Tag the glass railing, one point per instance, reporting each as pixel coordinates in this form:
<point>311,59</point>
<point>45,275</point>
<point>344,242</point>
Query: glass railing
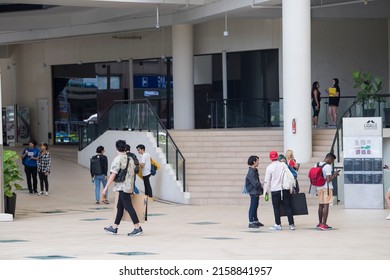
<point>136,115</point>
<point>269,113</point>
<point>233,113</point>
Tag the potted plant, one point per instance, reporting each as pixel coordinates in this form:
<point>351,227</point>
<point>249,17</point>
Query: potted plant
<point>11,176</point>
<point>369,85</point>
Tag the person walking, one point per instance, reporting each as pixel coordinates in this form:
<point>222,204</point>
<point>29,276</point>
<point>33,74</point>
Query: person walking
<point>334,100</point>
<point>254,189</point>
<point>29,159</point>
<point>124,188</point>
<point>145,164</point>
<point>43,165</point>
<point>315,102</point>
<point>325,192</point>
<point>98,169</point>
<point>273,183</point>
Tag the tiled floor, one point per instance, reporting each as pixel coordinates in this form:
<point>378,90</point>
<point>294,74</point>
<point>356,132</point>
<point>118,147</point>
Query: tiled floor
<point>68,224</point>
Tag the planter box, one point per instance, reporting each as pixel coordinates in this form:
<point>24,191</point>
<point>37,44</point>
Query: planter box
<point>10,204</point>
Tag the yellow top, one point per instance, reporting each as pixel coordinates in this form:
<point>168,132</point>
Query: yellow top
<point>332,91</point>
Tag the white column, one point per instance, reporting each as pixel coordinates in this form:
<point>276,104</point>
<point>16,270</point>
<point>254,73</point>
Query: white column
<point>297,77</point>
<point>183,77</point>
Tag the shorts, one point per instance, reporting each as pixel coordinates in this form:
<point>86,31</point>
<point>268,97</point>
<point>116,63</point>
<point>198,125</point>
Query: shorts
<point>324,197</point>
<point>334,101</point>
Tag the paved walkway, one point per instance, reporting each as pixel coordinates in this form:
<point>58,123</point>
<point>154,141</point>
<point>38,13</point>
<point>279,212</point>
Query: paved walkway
<point>68,224</point>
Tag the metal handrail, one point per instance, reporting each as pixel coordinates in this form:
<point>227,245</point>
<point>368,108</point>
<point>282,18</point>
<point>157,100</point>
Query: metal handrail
<point>336,137</point>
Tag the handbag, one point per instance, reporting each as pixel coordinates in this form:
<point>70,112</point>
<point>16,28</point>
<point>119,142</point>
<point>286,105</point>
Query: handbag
<point>121,176</point>
<point>298,205</point>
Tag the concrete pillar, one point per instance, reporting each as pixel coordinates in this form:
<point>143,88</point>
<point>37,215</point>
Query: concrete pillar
<point>297,77</point>
<point>183,76</point>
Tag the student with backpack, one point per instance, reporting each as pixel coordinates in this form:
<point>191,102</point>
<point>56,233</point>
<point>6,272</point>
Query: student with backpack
<point>98,169</point>
<point>324,191</point>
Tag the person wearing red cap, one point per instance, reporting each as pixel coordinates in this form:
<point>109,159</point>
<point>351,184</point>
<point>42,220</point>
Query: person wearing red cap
<point>273,184</point>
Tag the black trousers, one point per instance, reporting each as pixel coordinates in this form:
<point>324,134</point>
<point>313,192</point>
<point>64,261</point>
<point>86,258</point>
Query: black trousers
<point>124,202</point>
<point>286,202</point>
<point>148,187</point>
<point>43,181</point>
<point>31,174</point>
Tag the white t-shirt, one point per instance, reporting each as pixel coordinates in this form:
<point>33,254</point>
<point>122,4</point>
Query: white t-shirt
<point>326,170</point>
<point>146,160</point>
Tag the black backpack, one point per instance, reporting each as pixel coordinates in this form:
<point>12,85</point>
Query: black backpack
<point>136,162</point>
<point>96,166</point>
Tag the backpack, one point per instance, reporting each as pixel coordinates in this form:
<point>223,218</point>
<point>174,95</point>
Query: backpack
<point>95,166</point>
<point>121,176</point>
<point>316,176</point>
<point>288,180</point>
<point>136,162</point>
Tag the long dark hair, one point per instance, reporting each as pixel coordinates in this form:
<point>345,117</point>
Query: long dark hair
<point>336,81</point>
<point>314,86</point>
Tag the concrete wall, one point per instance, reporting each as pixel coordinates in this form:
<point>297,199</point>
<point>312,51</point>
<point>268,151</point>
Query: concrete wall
<point>338,48</point>
<point>164,183</point>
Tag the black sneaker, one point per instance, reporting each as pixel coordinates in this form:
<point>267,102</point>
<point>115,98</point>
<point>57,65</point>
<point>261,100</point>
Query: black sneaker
<point>259,224</point>
<point>111,230</point>
<point>135,232</point>
<point>253,225</point>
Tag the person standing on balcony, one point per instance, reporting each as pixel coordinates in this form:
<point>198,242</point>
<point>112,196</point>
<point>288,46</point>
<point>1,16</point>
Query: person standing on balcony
<point>29,160</point>
<point>334,100</point>
<point>315,102</point>
<point>146,165</point>
<point>254,189</point>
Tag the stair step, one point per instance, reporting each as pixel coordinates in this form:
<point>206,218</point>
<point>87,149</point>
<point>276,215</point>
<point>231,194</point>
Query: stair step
<point>216,160</point>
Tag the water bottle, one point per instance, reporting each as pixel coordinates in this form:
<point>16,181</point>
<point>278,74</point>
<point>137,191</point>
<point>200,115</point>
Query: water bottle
<point>266,197</point>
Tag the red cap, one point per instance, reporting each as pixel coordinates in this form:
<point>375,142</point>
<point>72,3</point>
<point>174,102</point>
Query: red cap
<point>273,155</point>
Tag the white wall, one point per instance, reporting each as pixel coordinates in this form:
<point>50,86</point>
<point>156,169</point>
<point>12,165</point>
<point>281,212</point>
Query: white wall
<point>340,47</point>
<point>164,183</point>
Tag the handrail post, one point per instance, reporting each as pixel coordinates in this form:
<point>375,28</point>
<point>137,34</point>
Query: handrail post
<point>166,147</point>
<point>177,165</point>
<point>184,175</point>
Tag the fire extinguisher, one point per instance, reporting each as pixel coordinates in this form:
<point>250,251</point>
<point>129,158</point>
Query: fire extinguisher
<point>294,126</point>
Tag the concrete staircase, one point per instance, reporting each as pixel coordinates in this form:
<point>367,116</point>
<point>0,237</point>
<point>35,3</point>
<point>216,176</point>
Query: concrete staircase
<point>216,160</point>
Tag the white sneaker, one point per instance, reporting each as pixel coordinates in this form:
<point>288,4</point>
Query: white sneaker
<point>40,193</point>
<point>46,193</point>
<point>292,227</point>
<point>276,227</point>
<point>388,217</point>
